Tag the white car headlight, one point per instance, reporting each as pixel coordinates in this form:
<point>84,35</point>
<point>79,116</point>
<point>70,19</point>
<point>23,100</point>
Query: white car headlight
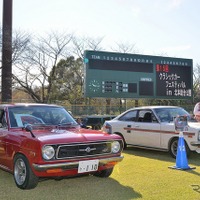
<point>107,128</point>
<point>48,152</point>
<point>116,147</point>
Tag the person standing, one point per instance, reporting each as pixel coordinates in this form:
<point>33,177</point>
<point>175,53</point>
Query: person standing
<point>80,122</point>
<point>197,111</point>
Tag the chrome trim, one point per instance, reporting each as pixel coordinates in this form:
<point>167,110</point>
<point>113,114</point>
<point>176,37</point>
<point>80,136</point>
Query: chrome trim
<point>67,165</point>
<point>82,144</point>
<point>5,168</point>
<point>195,143</point>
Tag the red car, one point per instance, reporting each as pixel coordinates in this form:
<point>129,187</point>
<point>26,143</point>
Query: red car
<point>40,140</point>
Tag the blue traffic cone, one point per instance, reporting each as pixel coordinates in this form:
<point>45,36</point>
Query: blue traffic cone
<point>181,157</point>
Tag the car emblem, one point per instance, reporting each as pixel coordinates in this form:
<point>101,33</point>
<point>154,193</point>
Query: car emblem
<point>88,149</point>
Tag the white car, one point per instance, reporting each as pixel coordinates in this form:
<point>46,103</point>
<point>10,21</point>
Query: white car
<point>153,127</point>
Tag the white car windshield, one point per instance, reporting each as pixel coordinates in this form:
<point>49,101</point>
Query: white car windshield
<point>39,115</point>
<point>168,114</point>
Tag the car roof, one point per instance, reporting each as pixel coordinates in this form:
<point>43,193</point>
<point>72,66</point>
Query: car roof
<point>149,107</point>
<point>153,107</point>
<point>146,107</point>
<point>27,104</point>
<point>97,116</point>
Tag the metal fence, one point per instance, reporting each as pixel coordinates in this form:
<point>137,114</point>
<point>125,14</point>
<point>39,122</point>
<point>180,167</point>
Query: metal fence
<point>115,107</point>
<point>80,110</point>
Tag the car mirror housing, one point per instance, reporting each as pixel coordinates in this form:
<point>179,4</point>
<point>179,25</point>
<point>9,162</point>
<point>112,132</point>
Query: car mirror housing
<point>29,128</point>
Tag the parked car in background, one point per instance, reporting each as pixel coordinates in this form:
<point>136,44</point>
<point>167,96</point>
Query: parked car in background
<point>96,121</point>
<point>153,127</point>
<point>40,140</point>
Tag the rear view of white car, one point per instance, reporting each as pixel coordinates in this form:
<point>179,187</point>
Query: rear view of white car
<point>152,127</point>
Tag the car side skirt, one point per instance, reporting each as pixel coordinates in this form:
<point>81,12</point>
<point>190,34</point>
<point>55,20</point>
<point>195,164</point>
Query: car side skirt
<point>146,147</point>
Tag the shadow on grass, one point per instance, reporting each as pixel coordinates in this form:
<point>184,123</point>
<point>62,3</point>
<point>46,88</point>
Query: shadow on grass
<point>193,172</point>
<point>84,187</point>
<point>160,155</point>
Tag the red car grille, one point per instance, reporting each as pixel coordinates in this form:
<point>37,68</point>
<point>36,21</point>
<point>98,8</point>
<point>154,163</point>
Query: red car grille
<point>83,150</point>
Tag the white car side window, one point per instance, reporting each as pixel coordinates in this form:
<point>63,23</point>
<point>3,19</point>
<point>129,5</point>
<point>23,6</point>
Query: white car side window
<point>130,116</point>
<point>146,116</point>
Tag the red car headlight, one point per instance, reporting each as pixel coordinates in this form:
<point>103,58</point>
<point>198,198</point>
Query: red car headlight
<point>115,147</point>
<point>48,152</point>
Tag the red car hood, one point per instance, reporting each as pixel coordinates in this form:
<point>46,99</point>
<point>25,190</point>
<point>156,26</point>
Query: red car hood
<point>72,135</point>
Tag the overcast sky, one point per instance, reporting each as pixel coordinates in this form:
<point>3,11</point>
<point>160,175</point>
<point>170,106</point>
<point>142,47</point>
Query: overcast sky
<point>156,27</point>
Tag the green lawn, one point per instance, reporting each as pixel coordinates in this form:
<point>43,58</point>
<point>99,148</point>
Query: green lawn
<point>143,174</point>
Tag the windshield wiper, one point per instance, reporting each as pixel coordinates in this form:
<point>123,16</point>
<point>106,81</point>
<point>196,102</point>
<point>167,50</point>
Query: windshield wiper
<point>66,124</point>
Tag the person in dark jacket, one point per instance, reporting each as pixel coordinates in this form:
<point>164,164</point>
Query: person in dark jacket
<point>80,122</point>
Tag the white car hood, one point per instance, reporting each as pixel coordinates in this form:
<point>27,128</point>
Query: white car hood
<point>195,125</point>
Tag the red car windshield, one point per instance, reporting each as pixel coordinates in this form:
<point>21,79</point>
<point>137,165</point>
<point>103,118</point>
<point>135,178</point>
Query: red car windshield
<point>39,115</point>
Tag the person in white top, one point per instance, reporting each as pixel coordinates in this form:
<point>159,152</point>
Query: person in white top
<point>197,111</point>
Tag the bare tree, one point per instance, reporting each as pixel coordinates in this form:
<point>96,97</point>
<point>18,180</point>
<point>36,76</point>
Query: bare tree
<point>86,43</point>
<point>33,75</point>
<point>20,42</point>
<point>196,83</point>
<point>125,47</point>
